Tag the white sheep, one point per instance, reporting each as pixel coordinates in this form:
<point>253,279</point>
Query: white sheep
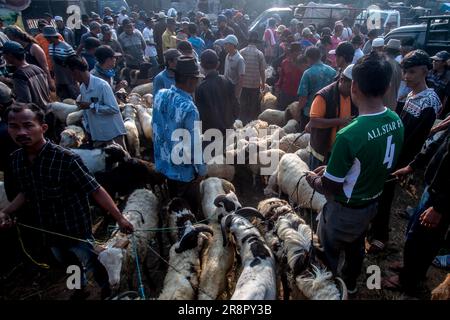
<point>292,142</point>
<point>268,100</point>
<point>93,159</point>
<point>61,110</point>
<point>182,279</point>
<point>218,199</point>
<point>303,154</point>
<point>141,210</point>
<point>3,199</point>
<point>145,120</point>
<point>72,137</point>
<point>143,89</point>
<point>290,179</point>
<point>257,280</point>
<point>75,118</point>
<point>133,143</point>
<point>273,116</point>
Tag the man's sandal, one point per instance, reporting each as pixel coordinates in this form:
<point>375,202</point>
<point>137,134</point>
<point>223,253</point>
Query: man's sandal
<point>442,262</point>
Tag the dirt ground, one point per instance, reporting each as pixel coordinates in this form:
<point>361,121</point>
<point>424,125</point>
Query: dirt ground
<point>25,281</point>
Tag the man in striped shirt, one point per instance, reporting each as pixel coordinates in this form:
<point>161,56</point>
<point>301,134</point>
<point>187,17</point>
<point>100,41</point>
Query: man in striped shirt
<point>59,51</point>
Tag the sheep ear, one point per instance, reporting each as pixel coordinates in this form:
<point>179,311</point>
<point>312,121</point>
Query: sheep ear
<point>225,228</point>
<point>249,212</point>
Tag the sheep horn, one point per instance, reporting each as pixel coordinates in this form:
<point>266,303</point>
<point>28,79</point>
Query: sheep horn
<point>204,228</point>
<point>219,201</point>
<point>225,227</point>
<point>249,212</point>
<point>343,288</point>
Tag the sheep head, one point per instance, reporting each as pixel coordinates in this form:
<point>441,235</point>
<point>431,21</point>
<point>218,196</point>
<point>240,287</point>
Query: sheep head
<point>227,221</point>
<point>121,95</point>
<point>190,239</point>
<point>111,259</point>
<point>69,139</point>
<point>226,204</point>
<point>115,153</point>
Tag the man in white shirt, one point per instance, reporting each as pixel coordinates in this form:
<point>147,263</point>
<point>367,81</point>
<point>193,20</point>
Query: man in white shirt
<point>347,32</point>
<point>123,15</point>
<point>357,43</point>
<point>234,64</point>
<point>150,46</point>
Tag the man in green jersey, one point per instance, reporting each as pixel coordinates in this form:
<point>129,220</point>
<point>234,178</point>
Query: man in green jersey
<point>362,157</point>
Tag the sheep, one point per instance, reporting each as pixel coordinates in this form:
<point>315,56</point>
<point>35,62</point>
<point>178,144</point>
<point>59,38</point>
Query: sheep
<point>3,198</point>
<point>292,112</point>
<point>182,279</point>
<point>141,210</point>
<point>133,143</point>
<point>257,280</point>
<point>72,137</point>
<point>217,167</point>
<point>292,142</point>
<point>273,116</point>
<point>69,101</point>
<point>145,120</point>
<point>268,100</point>
<point>291,126</point>
<point>177,213</point>
<point>148,100</point>
<point>143,89</point>
<point>100,160</point>
<point>61,110</point>
<point>134,98</point>
<point>75,118</point>
<point>303,154</point>
<point>289,178</point>
<point>442,291</point>
<point>264,163</point>
<point>218,199</point>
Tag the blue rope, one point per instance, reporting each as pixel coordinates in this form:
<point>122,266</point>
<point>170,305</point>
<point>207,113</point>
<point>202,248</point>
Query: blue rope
<point>139,276</point>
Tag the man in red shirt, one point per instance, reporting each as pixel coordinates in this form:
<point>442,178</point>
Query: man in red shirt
<point>292,69</point>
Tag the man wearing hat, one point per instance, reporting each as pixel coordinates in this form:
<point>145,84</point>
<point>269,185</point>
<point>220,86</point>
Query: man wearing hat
<point>107,11</point>
<point>391,51</point>
<point>223,28</point>
<point>108,38</point>
<point>105,66</point>
<point>95,29</point>
<point>43,42</point>
<point>439,79</point>
<point>66,32</point>
<point>378,45</point>
<point>59,51</point>
<point>214,97</point>
<point>371,35</point>
<point>331,110</point>
<point>174,110</point>
<point>150,49</point>
<point>122,15</point>
<point>158,31</point>
<point>169,40</point>
<point>133,45</point>
<point>108,20</point>
<point>253,80</point>
<point>234,64</point>
<point>166,78</point>
<point>30,81</point>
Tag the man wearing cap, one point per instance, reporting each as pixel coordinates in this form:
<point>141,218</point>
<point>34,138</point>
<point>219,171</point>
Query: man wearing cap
<point>363,155</point>
<point>66,32</point>
<point>378,45</point>
<point>253,80</point>
<point>107,11</point>
<point>331,110</point>
<point>439,79</point>
<point>344,56</point>
<point>101,117</point>
<point>30,81</point>
<point>59,51</point>
<point>223,28</point>
<point>214,97</point>
<point>234,64</point>
<point>150,49</point>
<point>105,66</point>
<point>81,28</point>
<point>169,40</point>
<point>43,42</point>
<point>108,39</point>
<point>133,45</point>
<point>368,45</point>
<point>166,78</point>
<point>391,51</point>
<point>418,115</point>
<point>174,110</point>
<point>94,31</point>
<point>316,77</point>
<point>109,21</point>
<point>122,15</point>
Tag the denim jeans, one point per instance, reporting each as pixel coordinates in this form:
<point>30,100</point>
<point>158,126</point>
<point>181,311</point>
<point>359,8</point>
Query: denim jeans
<point>421,246</point>
<point>83,255</point>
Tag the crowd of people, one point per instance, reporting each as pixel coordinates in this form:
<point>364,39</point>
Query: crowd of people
<point>369,106</point>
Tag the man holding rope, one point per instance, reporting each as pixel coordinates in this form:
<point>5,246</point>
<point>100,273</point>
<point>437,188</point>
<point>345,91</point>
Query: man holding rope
<point>362,156</point>
<point>58,185</point>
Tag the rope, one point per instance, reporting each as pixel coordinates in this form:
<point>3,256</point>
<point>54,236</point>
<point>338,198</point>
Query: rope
<point>57,234</point>
<point>138,269</point>
<point>295,140</point>
<point>166,229</point>
<point>42,265</point>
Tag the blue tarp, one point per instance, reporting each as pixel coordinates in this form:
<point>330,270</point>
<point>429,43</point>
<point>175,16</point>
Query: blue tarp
<point>445,7</point>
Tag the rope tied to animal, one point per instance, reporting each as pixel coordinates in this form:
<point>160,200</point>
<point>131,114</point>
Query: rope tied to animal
<point>138,268</point>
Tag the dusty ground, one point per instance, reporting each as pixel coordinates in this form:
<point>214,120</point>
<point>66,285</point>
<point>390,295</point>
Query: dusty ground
<point>23,281</point>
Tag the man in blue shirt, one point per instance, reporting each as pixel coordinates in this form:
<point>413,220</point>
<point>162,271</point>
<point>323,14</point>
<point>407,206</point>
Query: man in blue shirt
<point>166,78</point>
<point>197,43</point>
<point>318,76</point>
<point>177,134</point>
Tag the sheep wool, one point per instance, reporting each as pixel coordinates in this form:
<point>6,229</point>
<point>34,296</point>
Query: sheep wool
<point>143,89</point>
<point>133,143</point>
<point>72,137</point>
<point>272,116</point>
<point>145,119</point>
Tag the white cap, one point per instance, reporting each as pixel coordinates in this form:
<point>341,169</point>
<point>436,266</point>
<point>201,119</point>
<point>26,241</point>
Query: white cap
<point>332,52</point>
<point>58,18</point>
<point>231,39</point>
<point>378,42</point>
<point>348,72</point>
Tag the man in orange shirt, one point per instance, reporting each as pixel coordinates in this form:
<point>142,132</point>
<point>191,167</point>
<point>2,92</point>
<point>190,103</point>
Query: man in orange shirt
<point>44,43</point>
<point>331,110</point>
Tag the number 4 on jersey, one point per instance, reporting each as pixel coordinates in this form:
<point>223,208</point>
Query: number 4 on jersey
<point>390,152</point>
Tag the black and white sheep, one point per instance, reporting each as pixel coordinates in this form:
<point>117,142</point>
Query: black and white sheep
<point>72,137</point>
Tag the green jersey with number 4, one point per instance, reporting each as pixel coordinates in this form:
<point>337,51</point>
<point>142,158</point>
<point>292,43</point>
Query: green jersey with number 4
<point>363,155</point>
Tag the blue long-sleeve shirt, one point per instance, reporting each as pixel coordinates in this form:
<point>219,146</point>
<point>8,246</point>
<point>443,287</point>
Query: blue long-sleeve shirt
<point>102,120</point>
<point>162,81</point>
<point>178,153</point>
